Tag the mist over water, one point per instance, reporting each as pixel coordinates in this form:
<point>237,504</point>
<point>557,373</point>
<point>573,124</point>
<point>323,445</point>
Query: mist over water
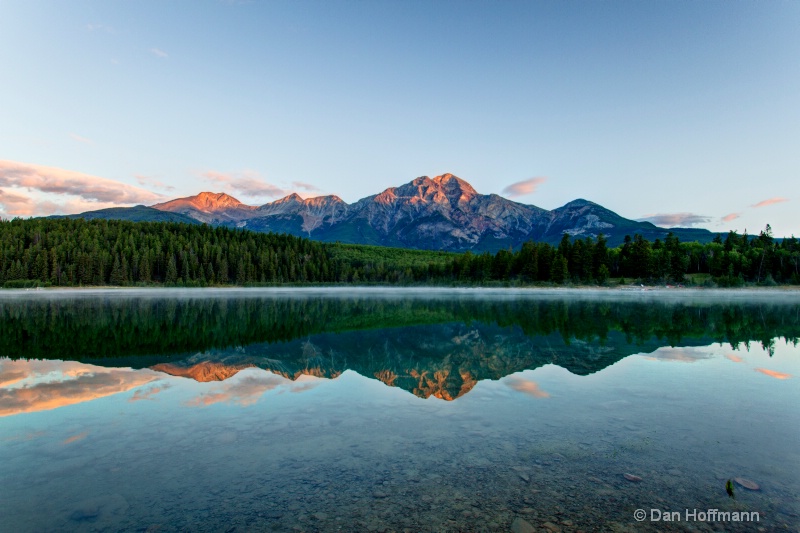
<point>375,410</point>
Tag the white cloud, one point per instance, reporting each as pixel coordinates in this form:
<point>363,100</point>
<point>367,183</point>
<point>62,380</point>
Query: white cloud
<point>147,181</point>
<point>80,139</point>
<point>672,220</point>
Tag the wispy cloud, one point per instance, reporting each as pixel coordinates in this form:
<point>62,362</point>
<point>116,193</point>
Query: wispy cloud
<point>682,355</point>
<point>159,53</point>
<point>84,140</point>
<point>147,181</point>
<point>305,186</point>
<point>773,373</point>
<point>522,188</point>
<point>100,27</point>
<point>731,217</point>
<point>247,183</point>
<point>149,392</point>
<point>85,190</point>
<point>79,436</point>
<point>526,386</point>
<point>248,386</point>
<point>675,219</point>
<point>770,201</point>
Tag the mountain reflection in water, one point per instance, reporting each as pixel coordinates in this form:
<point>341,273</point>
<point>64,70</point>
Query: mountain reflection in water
<point>270,410</point>
<point>429,346</point>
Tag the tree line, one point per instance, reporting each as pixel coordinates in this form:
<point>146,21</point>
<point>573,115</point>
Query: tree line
<point>77,252</point>
<point>95,327</point>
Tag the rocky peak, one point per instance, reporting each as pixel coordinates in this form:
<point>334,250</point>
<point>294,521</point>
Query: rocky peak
<point>218,199</point>
<point>446,190</point>
<point>204,371</point>
<point>580,202</point>
<point>457,190</point>
<point>207,202</point>
<point>292,198</point>
<point>323,201</point>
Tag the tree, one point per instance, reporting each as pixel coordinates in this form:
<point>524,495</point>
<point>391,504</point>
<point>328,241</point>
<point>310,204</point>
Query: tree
<point>172,270</point>
<point>559,273</point>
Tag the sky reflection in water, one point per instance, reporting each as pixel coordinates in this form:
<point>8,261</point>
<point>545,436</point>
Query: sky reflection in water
<point>274,446</point>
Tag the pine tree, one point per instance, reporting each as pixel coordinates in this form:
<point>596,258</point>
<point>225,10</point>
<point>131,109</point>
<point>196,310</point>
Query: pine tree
<point>172,270</point>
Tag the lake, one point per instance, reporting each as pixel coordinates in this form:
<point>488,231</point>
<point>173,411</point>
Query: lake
<point>399,410</point>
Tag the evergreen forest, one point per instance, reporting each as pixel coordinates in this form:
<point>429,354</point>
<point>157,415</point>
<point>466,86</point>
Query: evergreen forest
<point>78,252</point>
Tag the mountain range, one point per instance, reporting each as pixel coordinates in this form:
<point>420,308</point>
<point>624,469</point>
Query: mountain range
<point>440,213</point>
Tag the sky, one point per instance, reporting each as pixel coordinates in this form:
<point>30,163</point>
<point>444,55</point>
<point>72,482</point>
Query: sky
<point>681,113</point>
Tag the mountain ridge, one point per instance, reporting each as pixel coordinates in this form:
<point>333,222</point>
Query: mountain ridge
<point>440,213</point>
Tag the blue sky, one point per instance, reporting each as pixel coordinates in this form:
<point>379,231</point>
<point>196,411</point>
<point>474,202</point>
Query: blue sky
<point>687,110</point>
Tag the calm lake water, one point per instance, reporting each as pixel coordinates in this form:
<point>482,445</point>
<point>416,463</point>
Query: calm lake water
<point>399,410</point>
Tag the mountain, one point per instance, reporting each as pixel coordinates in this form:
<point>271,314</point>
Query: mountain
<point>209,208</point>
<point>137,213</point>
<point>440,213</point>
<point>442,360</point>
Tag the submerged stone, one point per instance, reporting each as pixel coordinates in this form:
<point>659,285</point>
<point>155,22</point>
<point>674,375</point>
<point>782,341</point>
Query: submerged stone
<point>746,483</point>
<point>520,525</point>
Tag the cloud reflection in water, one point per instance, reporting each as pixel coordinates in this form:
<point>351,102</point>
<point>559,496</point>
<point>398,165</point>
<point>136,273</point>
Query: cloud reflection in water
<point>249,385</point>
<point>30,386</point>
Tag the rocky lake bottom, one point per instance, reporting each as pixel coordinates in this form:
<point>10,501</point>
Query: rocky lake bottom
<point>87,447</point>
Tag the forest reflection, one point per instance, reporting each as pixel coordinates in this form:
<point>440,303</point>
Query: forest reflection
<point>429,346</point>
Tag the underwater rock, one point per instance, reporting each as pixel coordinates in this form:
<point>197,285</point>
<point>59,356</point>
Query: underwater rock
<point>85,512</point>
<point>746,483</point>
<point>520,525</point>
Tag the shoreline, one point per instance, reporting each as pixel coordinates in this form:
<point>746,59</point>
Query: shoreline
<point>653,291</point>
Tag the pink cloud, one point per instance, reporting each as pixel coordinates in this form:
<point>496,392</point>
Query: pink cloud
<point>770,201</point>
<point>67,182</point>
<point>682,355</point>
<point>248,386</point>
<point>46,385</point>
<point>731,217</point>
<point>531,388</point>
<point>245,391</point>
<point>247,183</point>
<point>773,373</point>
<point>15,204</point>
<point>672,220</point>
<point>522,188</point>
<point>79,436</point>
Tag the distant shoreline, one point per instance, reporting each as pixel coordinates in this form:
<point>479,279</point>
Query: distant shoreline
<point>654,291</point>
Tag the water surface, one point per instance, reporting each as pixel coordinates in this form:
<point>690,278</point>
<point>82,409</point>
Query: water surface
<point>369,410</point>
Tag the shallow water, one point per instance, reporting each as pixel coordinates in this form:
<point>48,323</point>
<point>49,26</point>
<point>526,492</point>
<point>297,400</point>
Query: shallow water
<point>443,411</point>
